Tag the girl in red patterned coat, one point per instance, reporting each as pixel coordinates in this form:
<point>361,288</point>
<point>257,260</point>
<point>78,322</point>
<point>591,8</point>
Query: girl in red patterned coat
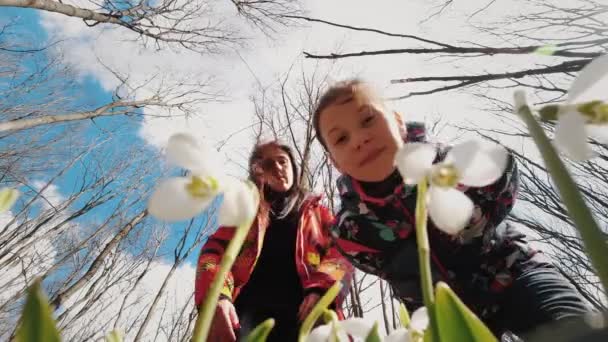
<point>287,261</point>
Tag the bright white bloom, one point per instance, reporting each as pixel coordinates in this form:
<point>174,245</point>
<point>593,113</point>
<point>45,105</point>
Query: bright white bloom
<point>415,330</point>
<point>573,127</point>
<point>323,333</point>
<point>181,198</point>
<point>470,164</point>
<point>359,329</point>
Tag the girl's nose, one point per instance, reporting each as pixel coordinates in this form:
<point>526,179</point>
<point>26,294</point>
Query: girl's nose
<point>361,140</point>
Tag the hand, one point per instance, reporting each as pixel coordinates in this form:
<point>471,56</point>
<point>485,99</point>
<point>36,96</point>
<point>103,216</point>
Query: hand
<point>307,305</point>
<point>225,322</point>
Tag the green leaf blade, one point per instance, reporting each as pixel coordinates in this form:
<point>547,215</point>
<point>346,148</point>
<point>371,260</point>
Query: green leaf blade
<point>456,322</point>
<point>37,322</point>
<point>261,332</point>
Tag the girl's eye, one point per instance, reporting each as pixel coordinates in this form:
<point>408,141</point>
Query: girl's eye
<point>340,140</point>
<point>368,120</point>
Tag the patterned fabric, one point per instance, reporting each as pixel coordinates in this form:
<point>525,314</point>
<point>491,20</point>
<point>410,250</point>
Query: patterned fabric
<point>318,262</point>
<point>376,230</point>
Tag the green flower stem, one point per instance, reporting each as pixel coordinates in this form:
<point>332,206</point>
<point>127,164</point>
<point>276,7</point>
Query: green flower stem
<point>318,310</point>
<point>330,317</point>
<point>593,238</point>
<point>424,260</point>
<point>207,310</point>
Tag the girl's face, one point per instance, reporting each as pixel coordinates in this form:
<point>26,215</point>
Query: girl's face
<point>274,169</point>
<point>361,138</point>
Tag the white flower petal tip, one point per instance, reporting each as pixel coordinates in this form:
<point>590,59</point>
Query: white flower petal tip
<point>598,132</point>
<point>319,334</point>
<point>322,334</point>
<point>399,335</point>
<point>357,326</point>
<point>420,319</point>
<point>185,151</point>
<point>591,74</point>
<point>571,137</point>
<point>171,201</point>
<point>520,100</point>
<point>449,209</point>
<point>414,160</point>
<point>479,164</point>
<point>240,202</point>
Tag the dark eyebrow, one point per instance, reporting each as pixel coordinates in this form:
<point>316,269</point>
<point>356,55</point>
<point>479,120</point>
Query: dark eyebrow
<point>365,108</point>
<point>346,99</point>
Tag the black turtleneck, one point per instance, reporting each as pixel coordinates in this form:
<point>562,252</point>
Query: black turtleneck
<point>274,288</point>
<point>384,187</point>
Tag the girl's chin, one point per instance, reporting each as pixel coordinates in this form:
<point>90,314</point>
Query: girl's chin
<point>279,188</point>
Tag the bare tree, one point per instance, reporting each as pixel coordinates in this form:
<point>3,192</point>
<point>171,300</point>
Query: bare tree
<point>198,25</point>
<point>38,91</point>
<point>574,33</point>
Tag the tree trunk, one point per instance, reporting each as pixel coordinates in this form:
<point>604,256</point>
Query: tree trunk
<point>58,7</point>
<point>51,119</point>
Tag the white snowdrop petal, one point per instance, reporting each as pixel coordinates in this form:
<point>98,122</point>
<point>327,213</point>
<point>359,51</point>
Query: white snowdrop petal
<point>323,332</point>
<point>185,151</point>
<point>172,202</point>
<point>479,164</point>
<point>598,132</point>
<point>359,327</point>
<point>591,74</point>
<point>571,136</point>
<point>239,203</point>
<point>398,335</point>
<point>414,160</point>
<point>449,209</point>
<point>319,334</point>
<point>420,319</point>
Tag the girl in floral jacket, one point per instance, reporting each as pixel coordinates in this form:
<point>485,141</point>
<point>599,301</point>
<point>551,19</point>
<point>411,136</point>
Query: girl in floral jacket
<point>489,264</point>
<point>287,261</point>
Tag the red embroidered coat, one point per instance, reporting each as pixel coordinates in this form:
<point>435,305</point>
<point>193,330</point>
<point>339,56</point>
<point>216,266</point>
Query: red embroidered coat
<point>318,262</point>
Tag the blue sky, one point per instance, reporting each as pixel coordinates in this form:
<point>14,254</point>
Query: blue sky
<point>90,94</point>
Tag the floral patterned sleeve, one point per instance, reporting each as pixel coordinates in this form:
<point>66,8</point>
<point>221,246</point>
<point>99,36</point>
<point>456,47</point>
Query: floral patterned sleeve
<point>209,263</point>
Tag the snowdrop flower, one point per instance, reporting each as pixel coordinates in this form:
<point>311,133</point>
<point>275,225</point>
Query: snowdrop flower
<point>576,122</point>
<point>415,330</point>
<point>181,198</point>
<point>359,329</point>
<point>323,333</point>
<point>470,163</point>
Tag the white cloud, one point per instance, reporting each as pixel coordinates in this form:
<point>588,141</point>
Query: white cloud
<point>101,313</point>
